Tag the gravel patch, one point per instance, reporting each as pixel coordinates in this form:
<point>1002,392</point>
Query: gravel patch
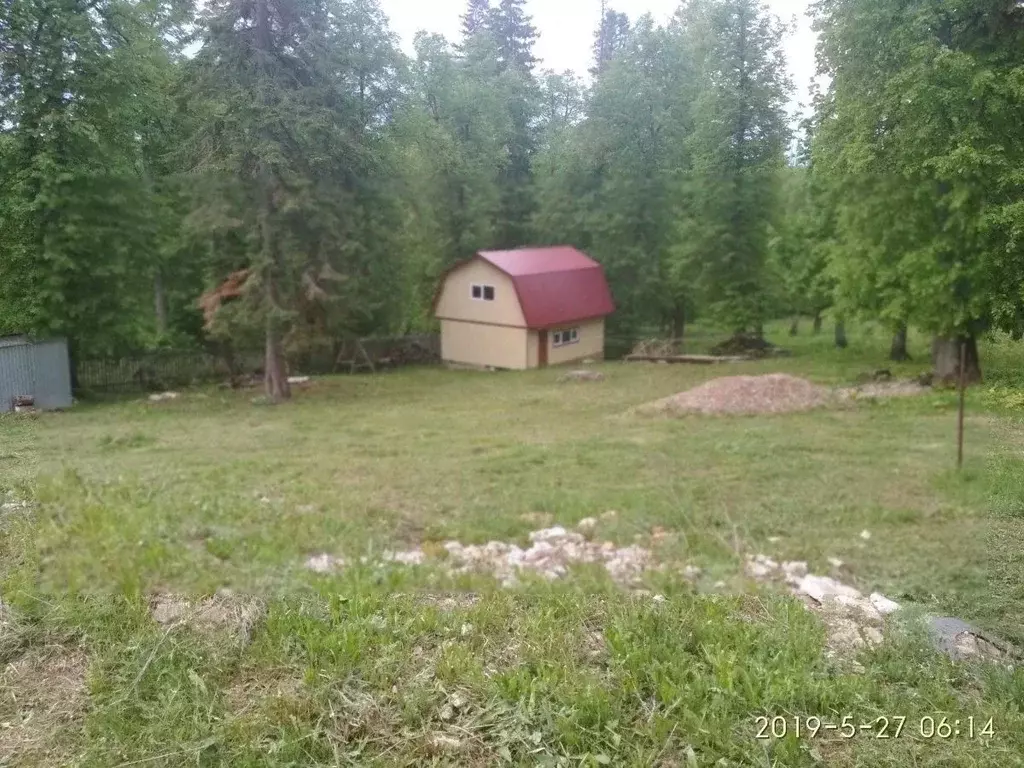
<point>771,393</point>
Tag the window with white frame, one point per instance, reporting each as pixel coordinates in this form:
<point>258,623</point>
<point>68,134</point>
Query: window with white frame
<point>565,336</point>
<point>482,292</point>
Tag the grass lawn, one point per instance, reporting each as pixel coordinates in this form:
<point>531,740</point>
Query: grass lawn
<point>411,666</point>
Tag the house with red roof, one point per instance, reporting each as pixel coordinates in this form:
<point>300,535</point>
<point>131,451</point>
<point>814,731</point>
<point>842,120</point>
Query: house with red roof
<point>525,308</point>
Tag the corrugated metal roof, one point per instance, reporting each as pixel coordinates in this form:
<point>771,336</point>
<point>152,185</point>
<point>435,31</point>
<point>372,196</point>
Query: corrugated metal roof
<point>555,285</point>
<point>13,341</point>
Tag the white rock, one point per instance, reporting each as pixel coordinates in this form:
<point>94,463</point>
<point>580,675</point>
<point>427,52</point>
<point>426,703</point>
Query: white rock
<point>587,525</point>
<point>774,539</point>
<point>692,572</point>
<point>659,598</point>
<point>409,557</point>
<point>298,379</point>
<point>835,562</point>
<point>865,534</point>
<point>794,570</point>
<point>760,566</point>
<point>325,563</point>
<point>882,604</point>
<point>820,587</point>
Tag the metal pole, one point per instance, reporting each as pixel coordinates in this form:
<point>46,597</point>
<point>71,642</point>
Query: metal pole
<point>960,415</point>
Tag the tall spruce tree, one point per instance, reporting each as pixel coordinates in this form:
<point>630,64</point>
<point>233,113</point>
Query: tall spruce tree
<point>611,36</point>
<point>475,18</point>
<point>737,149</point>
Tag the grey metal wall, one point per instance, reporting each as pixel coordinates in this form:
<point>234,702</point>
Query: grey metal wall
<point>35,369</point>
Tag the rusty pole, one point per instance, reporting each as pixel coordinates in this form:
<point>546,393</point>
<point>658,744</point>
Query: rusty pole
<point>960,415</point>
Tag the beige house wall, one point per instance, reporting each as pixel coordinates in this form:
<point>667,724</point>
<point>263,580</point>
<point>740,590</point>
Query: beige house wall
<point>590,344</point>
<point>500,346</point>
<point>457,302</point>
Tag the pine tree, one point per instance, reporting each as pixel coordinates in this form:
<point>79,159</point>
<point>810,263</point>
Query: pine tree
<point>475,18</point>
<point>738,144</point>
<point>515,35</point>
<point>611,35</point>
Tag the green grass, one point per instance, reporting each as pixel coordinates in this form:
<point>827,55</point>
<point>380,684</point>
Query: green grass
<point>367,667</point>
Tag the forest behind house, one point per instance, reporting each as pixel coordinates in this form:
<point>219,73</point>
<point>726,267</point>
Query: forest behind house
<point>151,150</point>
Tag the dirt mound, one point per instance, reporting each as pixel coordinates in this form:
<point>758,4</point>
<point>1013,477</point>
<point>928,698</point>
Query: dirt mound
<point>772,393</point>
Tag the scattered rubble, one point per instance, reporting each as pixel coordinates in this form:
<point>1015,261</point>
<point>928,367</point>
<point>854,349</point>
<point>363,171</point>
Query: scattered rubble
<point>852,620</point>
<point>581,376</point>
<point>551,552</point>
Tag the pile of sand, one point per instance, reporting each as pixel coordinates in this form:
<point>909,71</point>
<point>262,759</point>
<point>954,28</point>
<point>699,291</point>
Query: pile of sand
<point>772,393</point>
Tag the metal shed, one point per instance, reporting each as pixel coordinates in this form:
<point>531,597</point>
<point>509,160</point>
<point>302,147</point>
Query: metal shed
<point>36,369</point>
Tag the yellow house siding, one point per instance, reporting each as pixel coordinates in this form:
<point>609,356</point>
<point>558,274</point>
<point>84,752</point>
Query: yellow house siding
<point>590,344</point>
<point>500,346</point>
<point>456,301</point>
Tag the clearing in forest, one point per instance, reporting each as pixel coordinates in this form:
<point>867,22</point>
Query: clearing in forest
<point>328,582</point>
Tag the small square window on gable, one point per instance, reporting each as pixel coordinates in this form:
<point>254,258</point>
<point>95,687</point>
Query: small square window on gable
<point>482,292</point>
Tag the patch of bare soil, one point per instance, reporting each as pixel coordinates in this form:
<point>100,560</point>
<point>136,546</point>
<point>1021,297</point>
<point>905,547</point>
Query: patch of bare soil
<point>251,692</point>
<point>771,393</point>
<point>43,699</point>
<point>223,612</point>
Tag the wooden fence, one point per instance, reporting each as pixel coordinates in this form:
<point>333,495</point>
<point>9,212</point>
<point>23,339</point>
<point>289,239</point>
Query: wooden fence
<point>168,369</point>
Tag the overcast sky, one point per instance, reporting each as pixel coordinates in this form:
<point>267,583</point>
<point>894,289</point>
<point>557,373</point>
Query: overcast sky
<point>567,28</point>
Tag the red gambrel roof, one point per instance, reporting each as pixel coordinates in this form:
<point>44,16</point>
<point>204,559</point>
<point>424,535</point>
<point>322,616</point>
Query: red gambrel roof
<point>555,285</point>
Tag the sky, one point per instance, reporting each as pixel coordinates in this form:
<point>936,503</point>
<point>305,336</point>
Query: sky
<point>567,27</point>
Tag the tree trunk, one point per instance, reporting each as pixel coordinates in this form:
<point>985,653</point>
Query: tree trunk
<point>678,321</point>
<point>898,350</point>
<point>160,302</point>
<point>759,330</point>
<point>841,341</point>
<point>274,377</point>
<point>817,322</point>
<point>794,327</point>
<point>946,359</point>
